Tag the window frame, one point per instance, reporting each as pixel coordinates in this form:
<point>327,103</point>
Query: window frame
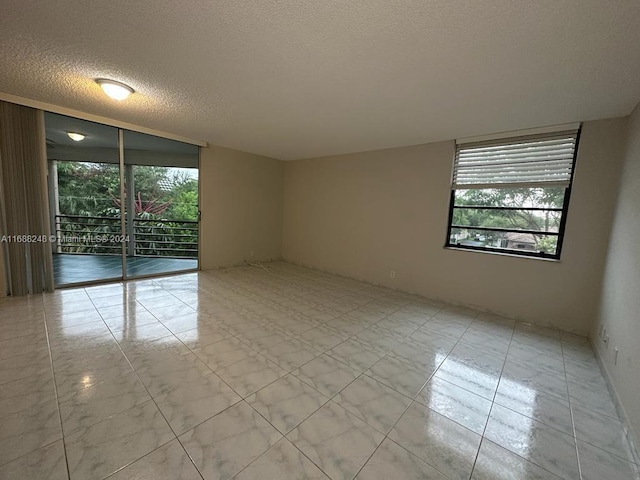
<point>512,251</point>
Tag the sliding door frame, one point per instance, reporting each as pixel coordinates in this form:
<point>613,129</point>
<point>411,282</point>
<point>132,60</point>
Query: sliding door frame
<point>127,206</point>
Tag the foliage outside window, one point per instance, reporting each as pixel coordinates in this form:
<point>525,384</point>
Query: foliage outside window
<point>166,208</point>
<point>512,195</point>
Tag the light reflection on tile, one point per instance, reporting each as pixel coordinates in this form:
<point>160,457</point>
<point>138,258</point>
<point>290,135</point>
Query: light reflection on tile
<point>534,441</point>
<point>393,461</point>
<point>497,463</point>
<point>252,326</point>
<point>440,442</point>
<point>457,404</point>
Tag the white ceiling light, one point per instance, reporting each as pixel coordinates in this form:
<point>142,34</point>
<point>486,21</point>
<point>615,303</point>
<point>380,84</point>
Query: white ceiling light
<point>78,137</point>
<point>116,90</point>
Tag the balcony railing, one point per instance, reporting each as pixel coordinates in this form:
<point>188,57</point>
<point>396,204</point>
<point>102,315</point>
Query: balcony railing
<point>103,235</point>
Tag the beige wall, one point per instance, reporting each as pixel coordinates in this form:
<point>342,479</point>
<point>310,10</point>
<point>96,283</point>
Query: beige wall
<point>620,305</point>
<point>241,204</point>
<point>365,214</point>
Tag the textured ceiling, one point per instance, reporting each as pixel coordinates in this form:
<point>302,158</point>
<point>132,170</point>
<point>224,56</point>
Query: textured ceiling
<point>297,79</point>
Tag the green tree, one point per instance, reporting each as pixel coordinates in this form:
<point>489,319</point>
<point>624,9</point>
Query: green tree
<point>521,217</point>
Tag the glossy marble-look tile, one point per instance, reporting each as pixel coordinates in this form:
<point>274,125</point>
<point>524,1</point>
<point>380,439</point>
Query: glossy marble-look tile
<point>131,313</point>
<point>537,356</point>
<point>287,402</point>
<point>88,406</point>
<point>601,431</point>
<point>293,326</point>
<point>322,338</point>
<point>290,353</point>
<point>398,375</point>
<point>536,378</point>
<point>261,343</point>
<point>173,310</point>
<point>169,461</point>
<point>132,334</point>
<point>59,337</point>
<point>457,404</point>
<point>355,354</point>
<point>60,328</point>
<point>29,430</point>
<point>336,440</point>
<point>196,401</point>
<point>442,443</point>
<point>549,448</point>
<point>495,462</point>
<point>536,404</point>
<point>326,375</point>
<point>70,350</point>
<point>98,291</point>
<point>46,463</point>
<point>292,315</point>
<point>105,447</point>
<point>110,300</point>
<point>90,371</point>
<point>373,402</point>
<point>597,465</point>
<point>283,461</point>
<point>348,326</point>
<point>486,360</point>
<point>189,319</point>
<point>163,377</point>
<point>398,325</point>
<point>251,374</point>
<point>434,342</point>
<point>143,354</point>
<point>225,444</point>
<point>16,330</point>
<point>593,395</point>
<point>393,461</point>
<point>583,371</point>
<point>26,393</point>
<point>419,356</point>
<point>487,340</point>
<point>224,353</point>
<point>202,336</point>
<point>37,363</point>
<point>378,339</point>
<point>13,347</point>
<point>448,325</point>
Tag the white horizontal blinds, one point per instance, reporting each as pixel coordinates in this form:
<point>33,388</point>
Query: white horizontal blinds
<point>538,160</point>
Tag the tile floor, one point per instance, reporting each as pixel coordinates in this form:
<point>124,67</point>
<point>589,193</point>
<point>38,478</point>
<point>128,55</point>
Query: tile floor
<point>292,373</point>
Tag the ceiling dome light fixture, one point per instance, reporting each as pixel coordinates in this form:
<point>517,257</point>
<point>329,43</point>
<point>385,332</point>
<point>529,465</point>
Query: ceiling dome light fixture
<point>77,137</point>
<point>116,90</point>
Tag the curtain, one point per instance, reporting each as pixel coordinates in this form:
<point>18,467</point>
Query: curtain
<point>24,207</point>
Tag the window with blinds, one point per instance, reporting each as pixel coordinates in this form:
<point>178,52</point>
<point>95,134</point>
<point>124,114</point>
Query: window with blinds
<point>511,195</point>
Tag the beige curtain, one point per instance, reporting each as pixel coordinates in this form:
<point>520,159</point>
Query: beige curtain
<point>24,209</point>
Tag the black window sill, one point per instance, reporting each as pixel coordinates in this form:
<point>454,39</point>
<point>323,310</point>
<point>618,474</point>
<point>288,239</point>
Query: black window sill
<point>503,254</point>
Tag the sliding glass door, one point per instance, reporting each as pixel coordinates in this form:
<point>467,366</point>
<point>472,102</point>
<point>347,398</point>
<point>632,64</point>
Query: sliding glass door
<point>84,186</point>
<point>161,203</point>
<point>123,204</point>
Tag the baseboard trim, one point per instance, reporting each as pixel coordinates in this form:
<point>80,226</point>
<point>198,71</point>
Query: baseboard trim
<point>632,438</point>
